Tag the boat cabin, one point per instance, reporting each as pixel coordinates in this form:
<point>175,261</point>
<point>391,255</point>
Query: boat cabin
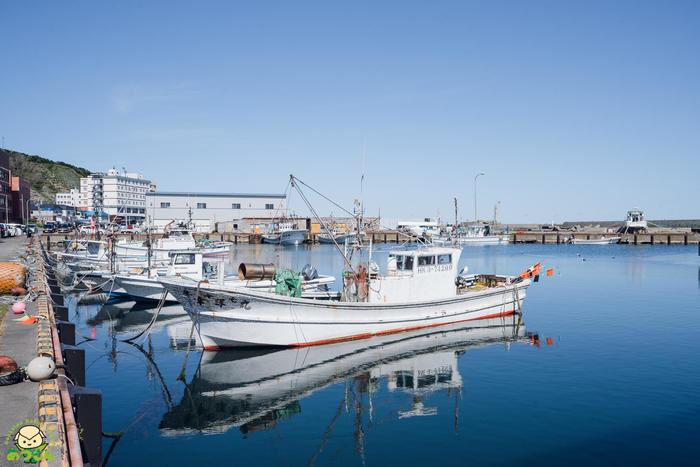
<point>427,273</point>
<point>194,265</point>
<point>635,219</point>
<point>175,239</point>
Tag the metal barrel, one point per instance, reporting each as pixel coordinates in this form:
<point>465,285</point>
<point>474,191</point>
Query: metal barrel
<point>248,271</point>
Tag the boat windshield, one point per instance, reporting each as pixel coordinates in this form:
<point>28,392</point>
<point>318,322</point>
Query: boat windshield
<point>406,264</point>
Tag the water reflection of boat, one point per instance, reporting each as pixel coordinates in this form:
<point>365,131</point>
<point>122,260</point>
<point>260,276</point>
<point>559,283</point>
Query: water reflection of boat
<point>133,317</point>
<point>255,389</point>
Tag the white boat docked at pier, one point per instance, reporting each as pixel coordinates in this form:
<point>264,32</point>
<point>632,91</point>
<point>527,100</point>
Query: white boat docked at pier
<point>420,289</point>
<point>595,241</point>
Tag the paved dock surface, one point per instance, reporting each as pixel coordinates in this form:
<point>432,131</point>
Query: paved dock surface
<point>19,402</point>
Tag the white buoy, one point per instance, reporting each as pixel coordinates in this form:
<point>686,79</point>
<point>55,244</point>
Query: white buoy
<point>40,368</point>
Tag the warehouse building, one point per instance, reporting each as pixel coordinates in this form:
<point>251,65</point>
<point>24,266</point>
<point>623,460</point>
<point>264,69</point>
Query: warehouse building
<point>208,209</point>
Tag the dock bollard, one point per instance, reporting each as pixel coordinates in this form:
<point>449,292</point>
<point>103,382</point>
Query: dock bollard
<point>87,404</point>
<point>66,332</point>
<point>74,359</point>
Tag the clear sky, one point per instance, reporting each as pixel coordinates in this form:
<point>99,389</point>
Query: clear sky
<point>575,110</point>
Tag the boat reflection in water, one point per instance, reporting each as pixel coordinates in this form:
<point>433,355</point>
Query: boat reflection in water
<point>255,389</point>
<point>131,317</point>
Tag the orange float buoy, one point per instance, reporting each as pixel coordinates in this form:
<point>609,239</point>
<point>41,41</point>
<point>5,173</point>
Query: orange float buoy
<point>11,275</point>
<point>7,364</point>
<point>549,341</point>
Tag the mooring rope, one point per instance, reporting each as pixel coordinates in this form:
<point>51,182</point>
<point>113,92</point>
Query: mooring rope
<point>153,319</point>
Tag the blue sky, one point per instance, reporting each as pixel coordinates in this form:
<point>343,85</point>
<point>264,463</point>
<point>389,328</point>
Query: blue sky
<point>575,110</point>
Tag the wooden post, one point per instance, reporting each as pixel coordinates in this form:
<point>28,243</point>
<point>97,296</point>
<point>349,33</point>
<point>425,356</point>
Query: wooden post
<point>635,239</point>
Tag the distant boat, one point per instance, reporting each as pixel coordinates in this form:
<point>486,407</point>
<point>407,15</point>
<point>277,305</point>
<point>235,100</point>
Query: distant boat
<point>635,222</point>
<point>285,233</point>
<point>475,235</point>
<point>595,241</point>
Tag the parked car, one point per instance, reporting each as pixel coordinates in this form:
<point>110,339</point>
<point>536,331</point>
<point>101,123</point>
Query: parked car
<point>15,230</point>
<point>33,227</point>
<point>64,228</point>
<point>3,231</point>
<point>50,227</point>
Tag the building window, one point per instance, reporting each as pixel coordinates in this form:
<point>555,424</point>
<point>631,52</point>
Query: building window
<point>269,206</point>
<point>236,206</point>
<point>201,205</point>
<point>164,205</point>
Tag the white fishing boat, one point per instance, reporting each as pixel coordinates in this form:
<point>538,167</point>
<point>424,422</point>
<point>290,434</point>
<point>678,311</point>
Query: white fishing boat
<point>595,241</point>
<point>254,389</point>
<point>195,267</point>
<point>174,239</point>
<point>420,289</point>
<point>285,233</point>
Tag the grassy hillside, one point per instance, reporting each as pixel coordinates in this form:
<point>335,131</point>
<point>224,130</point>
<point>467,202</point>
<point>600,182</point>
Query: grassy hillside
<point>45,176</point>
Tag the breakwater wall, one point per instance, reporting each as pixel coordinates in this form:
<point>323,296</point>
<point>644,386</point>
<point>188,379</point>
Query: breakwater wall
<point>390,236</point>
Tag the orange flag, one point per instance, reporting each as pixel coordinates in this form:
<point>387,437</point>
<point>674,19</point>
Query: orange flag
<point>550,271</point>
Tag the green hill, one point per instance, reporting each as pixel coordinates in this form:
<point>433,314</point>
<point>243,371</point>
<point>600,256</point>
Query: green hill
<point>45,176</point>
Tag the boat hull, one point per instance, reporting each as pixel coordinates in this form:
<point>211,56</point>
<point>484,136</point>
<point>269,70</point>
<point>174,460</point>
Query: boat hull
<point>597,241</point>
<point>340,239</point>
<point>245,318</point>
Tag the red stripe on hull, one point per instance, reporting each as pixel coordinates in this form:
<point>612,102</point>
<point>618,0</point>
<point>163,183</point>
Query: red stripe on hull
<point>381,333</point>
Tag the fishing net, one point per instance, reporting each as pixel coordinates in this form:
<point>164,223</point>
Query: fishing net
<point>288,283</point>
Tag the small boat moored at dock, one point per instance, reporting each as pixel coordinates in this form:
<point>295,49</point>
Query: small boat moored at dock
<point>595,241</point>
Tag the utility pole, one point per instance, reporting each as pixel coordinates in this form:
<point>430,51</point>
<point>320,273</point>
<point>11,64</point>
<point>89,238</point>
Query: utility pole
<point>456,214</point>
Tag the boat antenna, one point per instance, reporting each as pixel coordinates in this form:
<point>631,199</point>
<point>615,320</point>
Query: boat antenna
<point>293,180</point>
<point>362,197</point>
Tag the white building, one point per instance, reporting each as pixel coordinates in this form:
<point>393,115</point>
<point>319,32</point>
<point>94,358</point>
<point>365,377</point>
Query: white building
<point>209,208</point>
<point>121,195</point>
<point>71,198</point>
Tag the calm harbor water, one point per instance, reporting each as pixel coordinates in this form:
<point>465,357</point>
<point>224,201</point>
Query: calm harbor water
<point>613,377</point>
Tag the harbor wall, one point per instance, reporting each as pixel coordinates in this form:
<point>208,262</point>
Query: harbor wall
<point>390,236</point>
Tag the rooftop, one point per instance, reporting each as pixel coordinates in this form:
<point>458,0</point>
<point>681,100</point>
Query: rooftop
<point>215,195</point>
